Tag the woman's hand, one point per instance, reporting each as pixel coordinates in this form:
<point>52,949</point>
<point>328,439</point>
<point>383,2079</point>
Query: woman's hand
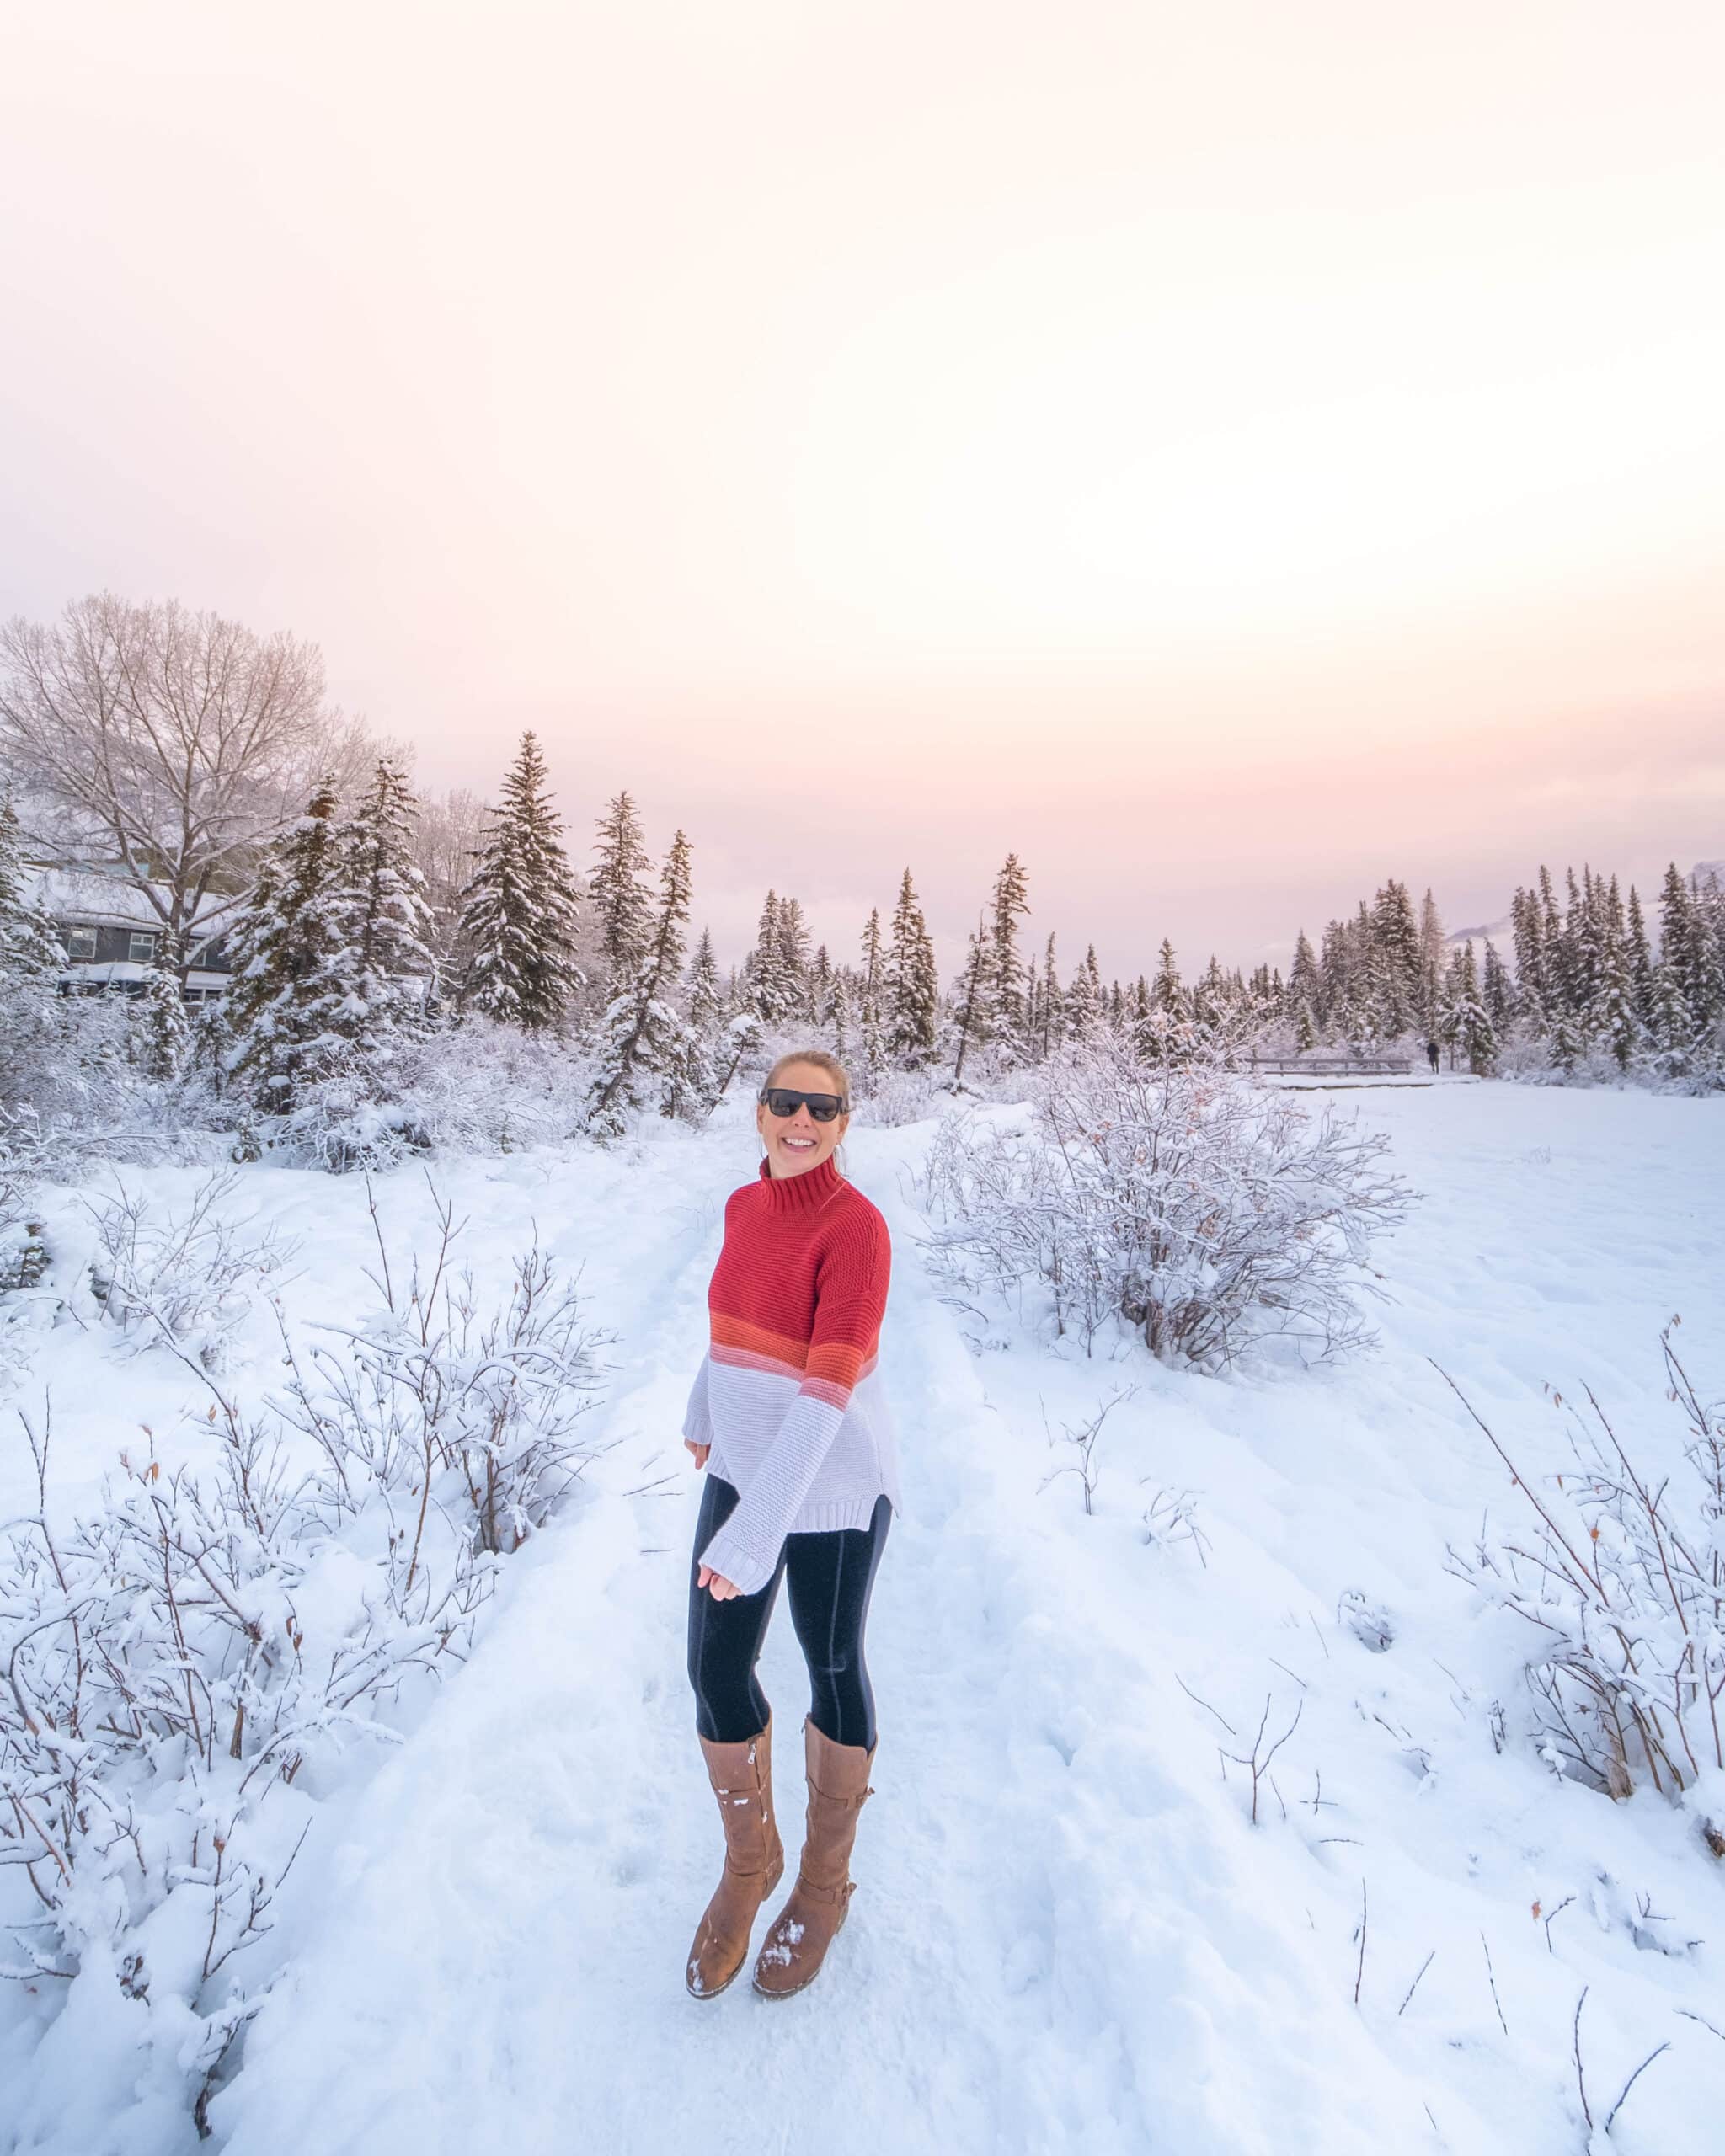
<point>722,1588</point>
<point>699,1451</point>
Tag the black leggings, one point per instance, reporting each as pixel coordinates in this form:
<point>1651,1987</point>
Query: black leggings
<point>832,1576</point>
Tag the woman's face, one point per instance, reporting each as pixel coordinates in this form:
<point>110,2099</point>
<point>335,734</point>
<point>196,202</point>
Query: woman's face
<point>797,1143</point>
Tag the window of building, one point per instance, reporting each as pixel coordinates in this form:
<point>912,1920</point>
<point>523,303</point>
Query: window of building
<point>141,950</point>
<point>80,944</point>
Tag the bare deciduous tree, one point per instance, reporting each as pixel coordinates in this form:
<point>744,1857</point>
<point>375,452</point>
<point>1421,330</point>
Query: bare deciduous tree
<point>165,744</point>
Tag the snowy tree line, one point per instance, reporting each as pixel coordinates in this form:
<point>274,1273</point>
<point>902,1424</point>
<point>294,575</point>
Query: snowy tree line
<point>198,761</point>
<point>1585,990</point>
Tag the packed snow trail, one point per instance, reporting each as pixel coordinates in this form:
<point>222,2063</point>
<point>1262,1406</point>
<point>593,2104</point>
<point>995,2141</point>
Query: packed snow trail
<point>501,1956</point>
<point>1067,1934</point>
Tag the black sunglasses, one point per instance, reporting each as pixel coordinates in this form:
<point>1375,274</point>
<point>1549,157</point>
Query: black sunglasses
<point>823,1106</point>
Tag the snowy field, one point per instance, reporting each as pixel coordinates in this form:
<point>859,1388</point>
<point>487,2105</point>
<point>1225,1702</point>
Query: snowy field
<point>1069,1934</point>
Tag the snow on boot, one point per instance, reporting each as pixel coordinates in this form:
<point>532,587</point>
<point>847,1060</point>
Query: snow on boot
<point>806,1926</point>
<point>741,1775</point>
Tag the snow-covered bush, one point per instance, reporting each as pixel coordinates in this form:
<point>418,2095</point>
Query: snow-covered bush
<point>433,1393</point>
<point>1620,1575</point>
<point>65,1062</point>
<point>187,1278</point>
<point>186,1661</point>
<point>898,1097</point>
<point>1203,1210</point>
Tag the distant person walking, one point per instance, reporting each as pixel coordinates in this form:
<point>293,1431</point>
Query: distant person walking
<point>801,1481</point>
<point>1431,1050</point>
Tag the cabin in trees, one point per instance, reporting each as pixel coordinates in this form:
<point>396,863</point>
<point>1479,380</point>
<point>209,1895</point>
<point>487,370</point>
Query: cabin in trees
<point>112,933</point>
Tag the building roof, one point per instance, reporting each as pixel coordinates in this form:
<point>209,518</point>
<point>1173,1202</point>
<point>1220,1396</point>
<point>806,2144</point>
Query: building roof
<point>95,898</point>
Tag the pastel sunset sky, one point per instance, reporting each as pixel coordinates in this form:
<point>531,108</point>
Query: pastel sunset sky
<point>1229,454</point>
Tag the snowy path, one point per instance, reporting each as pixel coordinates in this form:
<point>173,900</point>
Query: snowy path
<point>1068,1934</point>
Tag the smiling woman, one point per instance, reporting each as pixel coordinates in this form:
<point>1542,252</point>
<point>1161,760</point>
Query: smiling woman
<point>785,1416</point>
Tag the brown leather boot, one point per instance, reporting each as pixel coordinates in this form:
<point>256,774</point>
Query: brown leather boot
<point>806,1926</point>
<point>741,1775</point>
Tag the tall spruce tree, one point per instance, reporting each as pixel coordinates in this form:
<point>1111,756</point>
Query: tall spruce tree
<point>912,984</point>
<point>292,941</point>
<point>1004,1014</point>
<point>1466,1023</point>
<point>795,962</point>
<point>648,1053</point>
<point>841,1017</point>
<point>618,895</point>
<point>1640,955</point>
<point>775,992</point>
<point>1051,1028</point>
<point>30,950</point>
<point>971,1017</point>
<point>161,1029</point>
<point>1400,969</point>
<point>392,933</point>
<point>871,1019</point>
<point>520,914</point>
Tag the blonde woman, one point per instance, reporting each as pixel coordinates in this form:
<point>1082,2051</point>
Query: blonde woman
<point>801,1484</point>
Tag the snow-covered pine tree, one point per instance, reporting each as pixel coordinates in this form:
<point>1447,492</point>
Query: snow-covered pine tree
<point>293,950</point>
<point>159,1027</point>
<point>1639,952</point>
<point>793,958</point>
<point>1305,989</point>
<point>1588,927</point>
<point>1672,1028</point>
<point>1051,1028</point>
<point>1611,1017</point>
<point>618,897</point>
<point>1466,1023</point>
<point>820,981</point>
<point>1003,1009</point>
<point>1396,944</point>
<point>840,1015</point>
<point>1083,1016</point>
<point>971,1018</point>
<point>1566,1045</point>
<point>1533,991</point>
<point>393,930</point>
<point>647,1054</point>
<point>1142,1027</point>
<point>1497,992</point>
<point>871,1024</point>
<point>520,914</point>
<point>30,950</point>
<point>911,986</point>
<point>774,993</point>
<point>704,989</point>
<point>1211,1001</point>
<point>1431,963</point>
<point>1335,968</point>
<point>1702,960</point>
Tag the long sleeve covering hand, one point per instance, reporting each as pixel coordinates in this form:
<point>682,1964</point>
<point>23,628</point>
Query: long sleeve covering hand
<point>789,1394</point>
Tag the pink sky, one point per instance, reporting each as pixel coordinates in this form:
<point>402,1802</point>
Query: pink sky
<point>1228,455</point>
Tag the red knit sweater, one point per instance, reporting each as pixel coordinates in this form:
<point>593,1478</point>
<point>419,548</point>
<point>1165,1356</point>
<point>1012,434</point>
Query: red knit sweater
<point>787,1396</point>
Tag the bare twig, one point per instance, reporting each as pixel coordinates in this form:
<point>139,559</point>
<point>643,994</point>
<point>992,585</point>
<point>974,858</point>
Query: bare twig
<point>1632,2079</point>
<point>1414,1986</point>
<point>1492,1975</point>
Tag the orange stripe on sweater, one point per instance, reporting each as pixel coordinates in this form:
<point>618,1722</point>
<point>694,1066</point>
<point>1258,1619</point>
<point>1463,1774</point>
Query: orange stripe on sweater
<point>833,1372</point>
<point>738,1333</point>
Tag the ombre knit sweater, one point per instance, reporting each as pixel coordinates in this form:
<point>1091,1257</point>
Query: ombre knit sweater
<point>788,1395</point>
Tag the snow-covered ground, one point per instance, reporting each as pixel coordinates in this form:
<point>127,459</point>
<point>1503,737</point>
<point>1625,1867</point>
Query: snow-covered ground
<point>1068,1934</point>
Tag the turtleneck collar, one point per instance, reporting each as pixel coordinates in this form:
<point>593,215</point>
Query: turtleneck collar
<point>804,1193</point>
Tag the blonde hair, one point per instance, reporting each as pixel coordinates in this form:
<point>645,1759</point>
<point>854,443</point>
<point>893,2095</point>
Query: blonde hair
<point>834,1069</point>
<point>822,1061</point>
